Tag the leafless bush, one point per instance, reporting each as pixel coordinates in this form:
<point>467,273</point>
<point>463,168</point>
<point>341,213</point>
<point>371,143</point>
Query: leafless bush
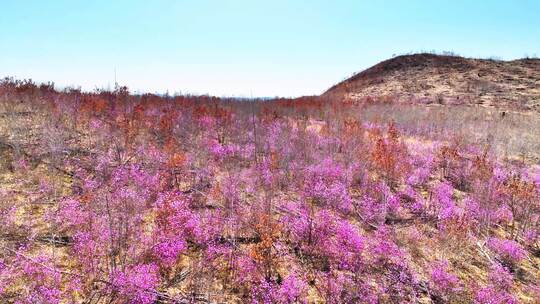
<point>513,134</point>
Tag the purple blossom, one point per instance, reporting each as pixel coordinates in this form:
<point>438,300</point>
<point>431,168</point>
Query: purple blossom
<point>137,285</point>
<point>508,250</point>
<point>444,282</point>
<point>291,290</point>
<point>169,250</point>
<point>326,184</point>
<point>500,277</point>
<point>490,295</point>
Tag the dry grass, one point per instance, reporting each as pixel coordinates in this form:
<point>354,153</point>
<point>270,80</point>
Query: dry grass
<point>514,136</point>
<point>448,79</point>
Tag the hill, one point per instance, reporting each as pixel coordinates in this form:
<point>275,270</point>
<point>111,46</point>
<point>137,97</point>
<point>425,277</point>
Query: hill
<point>430,78</point>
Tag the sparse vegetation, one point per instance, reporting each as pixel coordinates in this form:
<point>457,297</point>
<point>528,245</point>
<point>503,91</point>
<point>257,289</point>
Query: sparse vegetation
<point>446,79</point>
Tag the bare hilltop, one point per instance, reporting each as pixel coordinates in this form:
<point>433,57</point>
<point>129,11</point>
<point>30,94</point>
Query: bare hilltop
<point>447,79</point>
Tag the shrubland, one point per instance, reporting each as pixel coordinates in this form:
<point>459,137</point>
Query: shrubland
<point>109,197</point>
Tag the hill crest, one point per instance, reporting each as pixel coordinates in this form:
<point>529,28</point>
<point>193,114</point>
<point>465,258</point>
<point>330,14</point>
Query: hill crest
<point>431,78</point>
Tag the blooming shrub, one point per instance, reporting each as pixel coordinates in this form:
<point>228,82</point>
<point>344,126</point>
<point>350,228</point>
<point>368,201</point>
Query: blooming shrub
<point>292,290</point>
<point>144,198</point>
<point>326,183</point>
<point>509,251</point>
<point>423,164</point>
<point>443,282</point>
<point>498,291</point>
<point>490,295</point>
<point>500,277</point>
<point>136,285</point>
<point>44,280</point>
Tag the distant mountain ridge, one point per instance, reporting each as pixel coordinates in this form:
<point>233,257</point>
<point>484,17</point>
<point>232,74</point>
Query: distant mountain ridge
<point>447,79</point>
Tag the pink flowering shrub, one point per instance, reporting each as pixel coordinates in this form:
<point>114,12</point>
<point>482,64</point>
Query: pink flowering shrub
<point>292,290</point>
<point>175,225</point>
<point>40,273</point>
<point>509,251</point>
<point>341,288</point>
<point>531,236</point>
<point>446,209</point>
<point>310,230</point>
<point>456,168</point>
<point>379,203</point>
<point>220,151</point>
<point>498,290</point>
<point>326,184</point>
<point>137,284</point>
<point>423,163</point>
<point>3,273</point>
<point>443,282</point>
<point>491,295</point>
<point>500,277</point>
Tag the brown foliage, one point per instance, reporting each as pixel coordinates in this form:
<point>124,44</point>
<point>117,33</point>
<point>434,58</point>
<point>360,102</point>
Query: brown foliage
<point>389,155</point>
<point>269,231</point>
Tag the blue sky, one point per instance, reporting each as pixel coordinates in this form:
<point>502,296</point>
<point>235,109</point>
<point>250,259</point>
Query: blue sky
<point>246,47</point>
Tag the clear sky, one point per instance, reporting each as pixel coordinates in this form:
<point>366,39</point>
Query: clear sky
<point>244,47</point>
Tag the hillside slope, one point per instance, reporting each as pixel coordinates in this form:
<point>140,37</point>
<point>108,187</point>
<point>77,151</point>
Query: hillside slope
<point>444,79</point>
